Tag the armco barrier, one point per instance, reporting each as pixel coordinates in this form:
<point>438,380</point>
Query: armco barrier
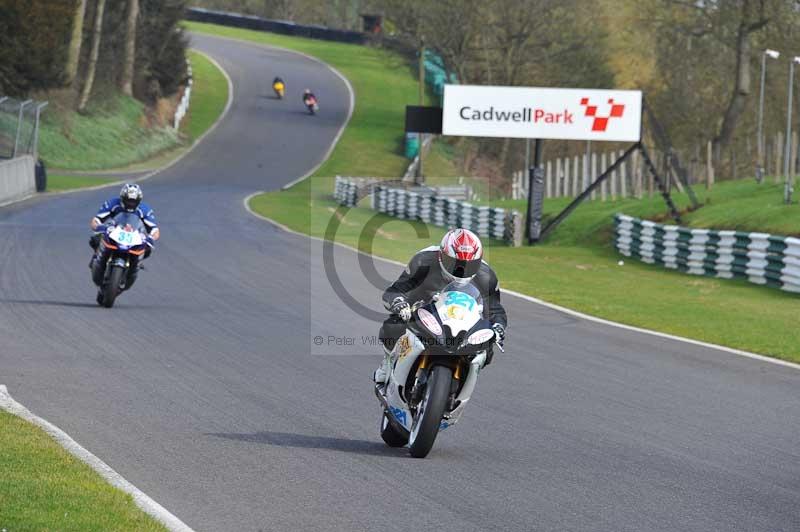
<point>17,178</point>
<point>183,105</point>
<point>758,257</point>
<point>275,26</point>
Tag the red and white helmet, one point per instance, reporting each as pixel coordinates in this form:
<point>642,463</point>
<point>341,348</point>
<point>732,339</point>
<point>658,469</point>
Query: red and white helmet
<point>460,254</point>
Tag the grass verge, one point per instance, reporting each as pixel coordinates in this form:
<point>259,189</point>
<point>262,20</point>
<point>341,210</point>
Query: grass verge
<point>577,267</point>
<point>43,487</point>
<point>60,183</point>
<point>112,136</point>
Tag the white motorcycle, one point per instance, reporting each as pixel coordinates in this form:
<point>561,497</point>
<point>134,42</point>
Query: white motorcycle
<point>435,368</point>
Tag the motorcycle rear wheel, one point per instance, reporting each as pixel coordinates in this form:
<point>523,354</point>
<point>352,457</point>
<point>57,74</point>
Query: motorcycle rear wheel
<point>112,287</point>
<point>390,435</point>
<point>430,412</point>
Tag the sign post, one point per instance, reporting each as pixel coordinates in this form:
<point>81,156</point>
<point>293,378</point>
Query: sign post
<point>542,113</point>
<point>533,225</point>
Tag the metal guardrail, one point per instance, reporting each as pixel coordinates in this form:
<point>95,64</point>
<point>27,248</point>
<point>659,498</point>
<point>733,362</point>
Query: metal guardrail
<point>183,105</point>
<point>275,26</point>
<point>760,258</point>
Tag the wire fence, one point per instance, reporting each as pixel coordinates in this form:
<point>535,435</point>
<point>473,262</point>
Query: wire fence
<point>19,127</point>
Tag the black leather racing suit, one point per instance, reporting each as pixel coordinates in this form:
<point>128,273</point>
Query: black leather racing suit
<point>423,278</point>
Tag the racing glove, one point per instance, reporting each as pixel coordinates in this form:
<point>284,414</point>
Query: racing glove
<point>401,307</point>
<point>500,333</point>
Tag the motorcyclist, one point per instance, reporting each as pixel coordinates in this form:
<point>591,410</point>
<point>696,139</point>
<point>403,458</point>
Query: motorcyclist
<point>308,97</point>
<point>129,200</point>
<point>457,258</point>
<point>277,84</point>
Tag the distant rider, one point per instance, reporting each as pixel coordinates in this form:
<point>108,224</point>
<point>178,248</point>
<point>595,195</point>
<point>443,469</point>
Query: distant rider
<point>277,84</point>
<point>309,97</point>
<point>457,258</point>
<point>129,200</point>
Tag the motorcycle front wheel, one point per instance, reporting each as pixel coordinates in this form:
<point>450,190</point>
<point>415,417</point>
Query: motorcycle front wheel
<point>112,287</point>
<point>429,412</point>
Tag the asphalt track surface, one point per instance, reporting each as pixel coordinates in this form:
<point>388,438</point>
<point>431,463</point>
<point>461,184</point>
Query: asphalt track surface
<point>204,388</point>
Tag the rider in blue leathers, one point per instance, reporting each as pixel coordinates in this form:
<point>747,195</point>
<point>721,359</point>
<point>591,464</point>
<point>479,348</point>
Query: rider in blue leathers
<point>129,200</point>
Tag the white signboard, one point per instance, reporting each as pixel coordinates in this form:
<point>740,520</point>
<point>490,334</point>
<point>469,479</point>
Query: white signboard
<point>530,112</point>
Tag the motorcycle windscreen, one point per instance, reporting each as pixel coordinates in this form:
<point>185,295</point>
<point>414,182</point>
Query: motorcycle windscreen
<point>460,306</point>
<point>132,219</point>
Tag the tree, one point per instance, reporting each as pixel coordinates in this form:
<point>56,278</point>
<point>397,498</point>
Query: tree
<point>96,38</point>
<point>76,39</point>
<point>126,81</point>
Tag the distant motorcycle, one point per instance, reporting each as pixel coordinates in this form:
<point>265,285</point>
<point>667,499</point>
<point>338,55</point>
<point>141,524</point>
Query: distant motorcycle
<point>311,105</point>
<point>436,366</point>
<point>279,89</point>
<point>125,238</point>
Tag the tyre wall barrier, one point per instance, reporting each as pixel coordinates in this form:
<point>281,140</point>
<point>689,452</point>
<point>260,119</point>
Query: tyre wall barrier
<point>760,258</point>
<point>17,178</point>
<point>501,224</point>
<point>275,26</point>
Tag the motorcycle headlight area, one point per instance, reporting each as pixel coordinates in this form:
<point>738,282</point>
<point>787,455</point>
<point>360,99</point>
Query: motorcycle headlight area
<point>429,321</point>
<point>480,337</point>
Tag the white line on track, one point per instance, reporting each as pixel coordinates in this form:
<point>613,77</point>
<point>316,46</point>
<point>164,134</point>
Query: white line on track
<point>141,499</point>
<point>524,297</point>
<point>7,403</point>
<point>350,91</point>
<point>552,306</point>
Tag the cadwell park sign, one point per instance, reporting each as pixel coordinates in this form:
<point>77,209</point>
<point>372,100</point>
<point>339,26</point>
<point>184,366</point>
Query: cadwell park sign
<point>542,113</point>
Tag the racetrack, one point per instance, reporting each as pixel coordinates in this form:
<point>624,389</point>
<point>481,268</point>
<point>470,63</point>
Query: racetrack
<point>203,387</point>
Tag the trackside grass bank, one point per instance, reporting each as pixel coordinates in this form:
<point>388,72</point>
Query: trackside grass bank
<point>577,267</point>
<point>43,487</point>
<point>60,183</point>
<point>112,136</point>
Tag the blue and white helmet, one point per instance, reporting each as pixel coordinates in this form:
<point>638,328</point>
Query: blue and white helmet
<point>131,196</point>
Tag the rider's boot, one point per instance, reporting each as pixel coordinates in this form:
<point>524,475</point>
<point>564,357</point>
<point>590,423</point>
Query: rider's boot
<point>382,372</point>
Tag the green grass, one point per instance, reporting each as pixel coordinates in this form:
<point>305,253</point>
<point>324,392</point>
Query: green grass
<point>577,267</point>
<point>111,135</point>
<point>114,135</point>
<point>43,487</point>
<point>60,183</point>
<point>209,96</point>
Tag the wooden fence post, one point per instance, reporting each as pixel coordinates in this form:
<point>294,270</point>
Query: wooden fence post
<point>623,176</point>
<point>612,185</point>
<point>778,156</point>
<point>576,177</point>
<point>709,167</point>
<point>593,172</point>
<point>603,185</point>
<point>548,180</point>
